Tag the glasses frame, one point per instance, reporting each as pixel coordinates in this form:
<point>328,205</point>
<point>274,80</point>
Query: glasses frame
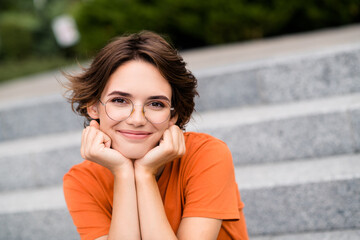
<point>133,110</point>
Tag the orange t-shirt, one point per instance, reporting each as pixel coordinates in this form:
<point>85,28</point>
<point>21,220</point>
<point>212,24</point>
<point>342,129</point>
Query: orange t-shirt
<point>200,184</point>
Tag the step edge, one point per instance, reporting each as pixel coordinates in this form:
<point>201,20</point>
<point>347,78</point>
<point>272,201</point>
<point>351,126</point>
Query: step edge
<point>299,172</point>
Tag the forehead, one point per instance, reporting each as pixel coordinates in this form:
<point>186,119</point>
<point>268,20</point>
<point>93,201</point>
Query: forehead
<point>138,78</point>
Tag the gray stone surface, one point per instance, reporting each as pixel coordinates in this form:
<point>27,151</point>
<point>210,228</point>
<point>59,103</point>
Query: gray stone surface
<point>37,169</point>
<point>40,161</point>
<point>35,117</point>
<point>333,235</point>
<point>302,208</point>
<point>39,213</point>
<point>292,173</point>
<point>53,224</point>
<point>308,136</point>
<point>312,77</point>
<point>238,88</point>
<point>355,120</point>
<point>27,200</point>
<point>289,79</point>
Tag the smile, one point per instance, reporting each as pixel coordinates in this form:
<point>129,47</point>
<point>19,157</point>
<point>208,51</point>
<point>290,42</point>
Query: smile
<point>134,134</point>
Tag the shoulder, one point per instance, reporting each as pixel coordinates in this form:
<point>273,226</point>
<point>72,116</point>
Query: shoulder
<point>85,168</point>
<point>87,174</point>
<point>203,149</point>
<point>203,143</point>
<point>195,140</point>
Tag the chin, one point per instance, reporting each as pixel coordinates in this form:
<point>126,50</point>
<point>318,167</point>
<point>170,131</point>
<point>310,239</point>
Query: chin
<point>133,155</point>
<point>132,151</point>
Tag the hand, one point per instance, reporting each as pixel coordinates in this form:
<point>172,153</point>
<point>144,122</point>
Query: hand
<point>171,146</point>
<point>95,147</point>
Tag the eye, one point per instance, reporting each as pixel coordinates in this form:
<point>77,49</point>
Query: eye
<point>120,101</point>
<point>156,105</point>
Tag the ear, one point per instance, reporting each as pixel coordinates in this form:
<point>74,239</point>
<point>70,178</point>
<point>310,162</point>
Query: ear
<point>93,111</point>
<point>173,120</point>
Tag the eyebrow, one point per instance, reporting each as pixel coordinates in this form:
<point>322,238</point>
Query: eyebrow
<point>125,94</point>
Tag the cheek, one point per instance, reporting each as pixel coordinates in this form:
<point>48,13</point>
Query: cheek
<point>106,124</point>
<point>161,128</point>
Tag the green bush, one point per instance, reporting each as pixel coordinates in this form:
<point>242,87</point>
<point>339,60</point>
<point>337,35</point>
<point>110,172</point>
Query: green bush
<point>197,23</point>
<point>17,34</point>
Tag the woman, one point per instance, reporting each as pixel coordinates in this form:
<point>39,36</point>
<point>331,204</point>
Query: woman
<point>143,177</point>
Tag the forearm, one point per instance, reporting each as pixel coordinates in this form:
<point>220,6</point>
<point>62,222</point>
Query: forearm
<point>125,220</point>
<point>153,221</point>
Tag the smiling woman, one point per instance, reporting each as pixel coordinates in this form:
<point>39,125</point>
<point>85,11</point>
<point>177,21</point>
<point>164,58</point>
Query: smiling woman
<point>142,176</point>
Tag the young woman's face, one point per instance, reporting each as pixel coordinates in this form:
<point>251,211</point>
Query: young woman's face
<point>140,82</point>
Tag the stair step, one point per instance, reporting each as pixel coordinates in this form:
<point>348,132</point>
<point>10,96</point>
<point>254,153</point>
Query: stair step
<point>307,195</point>
<point>302,201</point>
<point>36,116</point>
<point>330,235</point>
<point>313,75</point>
<point>29,200</point>
<point>39,213</point>
<point>38,161</point>
<point>307,129</point>
<point>305,171</point>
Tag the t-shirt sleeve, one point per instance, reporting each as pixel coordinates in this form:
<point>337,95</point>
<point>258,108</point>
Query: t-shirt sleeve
<point>88,215</point>
<point>211,190</point>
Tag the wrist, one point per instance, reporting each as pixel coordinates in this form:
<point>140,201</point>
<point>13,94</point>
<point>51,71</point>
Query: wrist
<point>142,172</point>
<point>123,171</point>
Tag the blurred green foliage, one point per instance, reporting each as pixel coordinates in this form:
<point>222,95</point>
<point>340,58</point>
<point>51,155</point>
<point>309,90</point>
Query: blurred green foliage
<point>197,23</point>
<point>27,44</point>
<point>17,30</point>
<point>25,25</point>
<point>25,30</point>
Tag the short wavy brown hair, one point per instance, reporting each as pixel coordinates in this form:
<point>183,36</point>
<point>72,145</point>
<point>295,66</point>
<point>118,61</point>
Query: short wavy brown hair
<point>85,88</point>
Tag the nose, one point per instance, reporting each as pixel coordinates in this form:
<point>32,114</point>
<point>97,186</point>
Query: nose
<point>137,116</point>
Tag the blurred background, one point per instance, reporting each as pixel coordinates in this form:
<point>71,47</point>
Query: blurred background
<point>37,35</point>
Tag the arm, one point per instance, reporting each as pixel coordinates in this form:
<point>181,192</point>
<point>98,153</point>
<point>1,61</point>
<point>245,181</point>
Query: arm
<point>153,220</point>
<point>199,228</point>
<point>124,222</point>
<point>96,147</point>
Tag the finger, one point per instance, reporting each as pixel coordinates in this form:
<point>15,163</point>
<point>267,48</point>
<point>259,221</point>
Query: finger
<point>102,139</point>
<point>167,136</point>
<point>94,124</point>
<point>89,139</point>
<point>178,139</point>
<point>107,141</point>
<point>82,144</point>
<point>97,142</point>
<point>167,142</point>
<point>182,143</point>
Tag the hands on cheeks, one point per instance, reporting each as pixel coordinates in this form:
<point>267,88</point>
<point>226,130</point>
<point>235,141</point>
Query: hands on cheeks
<point>96,147</point>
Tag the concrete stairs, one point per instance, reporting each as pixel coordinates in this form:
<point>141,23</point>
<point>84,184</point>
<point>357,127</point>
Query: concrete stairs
<point>292,123</point>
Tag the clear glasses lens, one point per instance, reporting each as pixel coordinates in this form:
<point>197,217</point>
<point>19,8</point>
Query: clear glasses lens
<point>155,111</point>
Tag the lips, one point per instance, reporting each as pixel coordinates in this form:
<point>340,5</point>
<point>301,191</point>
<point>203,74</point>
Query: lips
<point>134,134</point>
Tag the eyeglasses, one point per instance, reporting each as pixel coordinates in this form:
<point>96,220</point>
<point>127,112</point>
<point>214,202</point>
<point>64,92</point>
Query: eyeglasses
<point>120,108</point>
